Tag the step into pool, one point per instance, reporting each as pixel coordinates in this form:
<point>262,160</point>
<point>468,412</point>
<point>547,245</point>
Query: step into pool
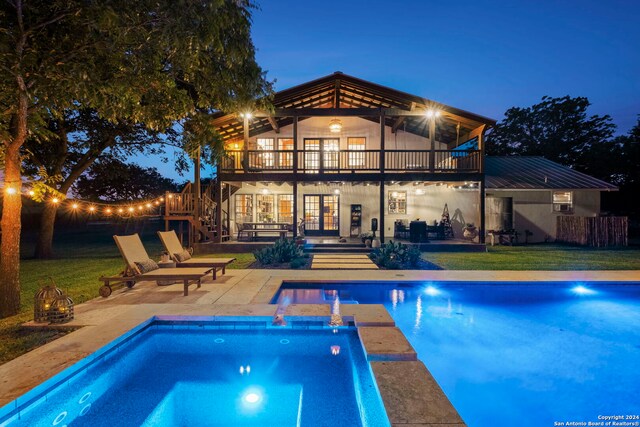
<point>195,373</point>
<point>517,353</point>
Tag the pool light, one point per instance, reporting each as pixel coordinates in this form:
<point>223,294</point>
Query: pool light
<point>431,291</point>
<point>582,290</point>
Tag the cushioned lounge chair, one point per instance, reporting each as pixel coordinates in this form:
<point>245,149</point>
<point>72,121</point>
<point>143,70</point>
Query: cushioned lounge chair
<point>173,246</point>
<point>136,258</point>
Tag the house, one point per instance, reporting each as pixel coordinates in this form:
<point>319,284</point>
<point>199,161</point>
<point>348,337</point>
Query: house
<point>528,194</point>
<point>340,152</point>
<point>339,147</point>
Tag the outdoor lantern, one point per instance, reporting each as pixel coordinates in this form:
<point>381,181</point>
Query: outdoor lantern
<point>61,309</point>
<point>43,300</point>
<point>335,125</point>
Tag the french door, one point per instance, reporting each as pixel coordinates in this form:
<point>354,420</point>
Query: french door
<point>321,214</point>
<point>321,153</point>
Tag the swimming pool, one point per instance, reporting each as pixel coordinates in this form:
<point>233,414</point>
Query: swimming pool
<point>195,373</point>
<point>514,354</point>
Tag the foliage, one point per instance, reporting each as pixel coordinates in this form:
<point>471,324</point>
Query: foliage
<point>283,250</point>
<point>297,263</point>
<point>147,62</point>
<point>557,128</point>
<point>395,255</point>
<point>112,180</point>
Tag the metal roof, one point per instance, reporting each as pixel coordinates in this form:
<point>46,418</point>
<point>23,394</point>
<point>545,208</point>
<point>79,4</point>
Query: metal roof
<point>537,173</point>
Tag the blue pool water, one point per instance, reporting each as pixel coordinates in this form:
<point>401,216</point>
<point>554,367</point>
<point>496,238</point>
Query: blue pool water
<point>514,354</point>
<point>195,374</point>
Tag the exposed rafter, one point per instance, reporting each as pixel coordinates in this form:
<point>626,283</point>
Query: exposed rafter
<point>274,124</point>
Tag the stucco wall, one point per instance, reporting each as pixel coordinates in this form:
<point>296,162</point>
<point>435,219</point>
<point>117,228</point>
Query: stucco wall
<point>533,211</point>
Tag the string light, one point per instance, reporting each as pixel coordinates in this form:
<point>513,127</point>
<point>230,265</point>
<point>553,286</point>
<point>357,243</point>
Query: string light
<point>92,209</point>
<point>11,191</point>
<point>55,200</point>
<point>32,193</point>
<point>74,206</point>
<point>131,209</point>
<point>107,211</point>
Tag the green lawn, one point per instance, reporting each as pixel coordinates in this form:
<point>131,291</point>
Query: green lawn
<point>81,258</point>
<point>84,255</point>
<point>539,257</point>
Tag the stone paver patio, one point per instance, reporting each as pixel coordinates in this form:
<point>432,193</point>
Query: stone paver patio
<point>411,395</point>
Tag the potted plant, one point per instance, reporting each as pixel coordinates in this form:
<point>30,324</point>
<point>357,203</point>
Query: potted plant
<point>470,231</point>
<point>366,238</point>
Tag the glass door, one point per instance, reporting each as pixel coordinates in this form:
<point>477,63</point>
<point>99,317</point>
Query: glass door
<point>322,215</point>
<point>321,153</point>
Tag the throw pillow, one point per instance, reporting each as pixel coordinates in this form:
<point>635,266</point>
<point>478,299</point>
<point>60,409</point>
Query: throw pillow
<point>147,266</point>
<point>182,256</point>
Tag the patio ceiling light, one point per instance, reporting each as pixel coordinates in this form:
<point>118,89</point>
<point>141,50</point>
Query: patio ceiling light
<point>432,113</point>
<point>335,125</point>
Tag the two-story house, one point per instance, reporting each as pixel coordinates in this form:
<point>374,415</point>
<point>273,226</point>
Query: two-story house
<point>340,147</point>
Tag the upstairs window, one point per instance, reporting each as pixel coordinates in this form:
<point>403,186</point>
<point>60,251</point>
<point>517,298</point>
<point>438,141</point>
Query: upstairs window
<point>356,160</point>
<point>563,201</point>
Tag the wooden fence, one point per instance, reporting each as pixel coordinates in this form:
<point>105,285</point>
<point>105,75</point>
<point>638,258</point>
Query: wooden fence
<point>592,231</point>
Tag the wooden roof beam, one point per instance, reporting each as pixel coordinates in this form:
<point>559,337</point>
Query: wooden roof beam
<point>274,124</point>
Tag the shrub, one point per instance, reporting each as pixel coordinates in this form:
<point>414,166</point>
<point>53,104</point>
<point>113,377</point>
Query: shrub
<point>393,256</point>
<point>297,263</point>
<point>283,250</point>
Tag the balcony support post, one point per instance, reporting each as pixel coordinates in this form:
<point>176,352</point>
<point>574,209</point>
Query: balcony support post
<point>482,211</point>
<point>295,149</point>
<point>295,208</point>
<point>432,147</point>
<point>381,140</point>
<point>218,200</point>
<point>245,145</point>
<point>382,209</point>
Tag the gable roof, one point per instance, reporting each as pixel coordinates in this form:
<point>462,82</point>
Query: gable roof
<point>339,90</point>
<point>537,173</point>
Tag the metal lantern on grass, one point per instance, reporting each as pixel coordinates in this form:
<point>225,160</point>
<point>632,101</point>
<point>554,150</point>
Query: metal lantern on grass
<point>43,300</point>
<point>61,309</point>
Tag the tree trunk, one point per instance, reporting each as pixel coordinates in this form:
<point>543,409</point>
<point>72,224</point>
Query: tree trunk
<point>11,211</point>
<point>44,245</point>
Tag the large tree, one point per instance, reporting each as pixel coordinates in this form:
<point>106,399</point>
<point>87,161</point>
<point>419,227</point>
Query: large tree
<point>145,61</point>
<point>560,129</point>
<point>70,145</point>
<point>112,180</point>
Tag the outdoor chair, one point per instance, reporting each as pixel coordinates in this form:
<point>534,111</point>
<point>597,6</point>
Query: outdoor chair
<point>139,267</point>
<point>182,257</point>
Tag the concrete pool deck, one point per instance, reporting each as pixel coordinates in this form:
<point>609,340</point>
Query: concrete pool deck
<point>410,394</point>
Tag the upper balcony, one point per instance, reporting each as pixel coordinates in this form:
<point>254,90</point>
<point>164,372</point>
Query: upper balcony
<point>351,161</point>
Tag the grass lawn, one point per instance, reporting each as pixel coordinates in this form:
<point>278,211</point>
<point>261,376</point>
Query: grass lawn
<point>539,257</point>
<point>84,255</point>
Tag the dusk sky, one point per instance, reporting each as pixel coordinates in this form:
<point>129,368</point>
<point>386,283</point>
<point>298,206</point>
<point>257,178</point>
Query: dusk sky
<point>481,56</point>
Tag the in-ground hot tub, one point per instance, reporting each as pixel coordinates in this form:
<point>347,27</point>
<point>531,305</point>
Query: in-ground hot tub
<point>205,373</point>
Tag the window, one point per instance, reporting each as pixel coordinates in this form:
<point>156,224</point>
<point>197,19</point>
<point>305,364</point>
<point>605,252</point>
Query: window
<point>265,208</point>
<point>285,208</point>
<point>266,159</point>
<point>244,208</point>
<point>563,201</point>
<point>285,160</point>
<point>312,154</point>
<point>397,202</point>
<point>356,160</point>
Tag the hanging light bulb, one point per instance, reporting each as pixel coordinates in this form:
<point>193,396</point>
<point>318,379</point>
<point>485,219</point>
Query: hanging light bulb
<point>107,211</point>
<point>131,209</point>
<point>148,205</point>
<point>335,125</point>
<point>92,209</point>
<point>120,210</point>
<point>55,200</point>
<point>74,206</point>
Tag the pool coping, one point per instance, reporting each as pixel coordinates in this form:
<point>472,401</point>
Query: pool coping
<point>402,380</point>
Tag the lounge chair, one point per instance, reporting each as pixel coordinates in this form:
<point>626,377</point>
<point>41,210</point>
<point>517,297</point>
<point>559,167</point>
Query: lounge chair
<point>135,257</point>
<point>173,246</point>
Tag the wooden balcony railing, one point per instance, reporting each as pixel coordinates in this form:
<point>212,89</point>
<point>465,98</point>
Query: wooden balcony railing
<point>345,161</point>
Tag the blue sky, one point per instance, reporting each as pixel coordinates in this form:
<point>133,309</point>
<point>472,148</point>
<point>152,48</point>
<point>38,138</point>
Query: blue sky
<point>481,56</point>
